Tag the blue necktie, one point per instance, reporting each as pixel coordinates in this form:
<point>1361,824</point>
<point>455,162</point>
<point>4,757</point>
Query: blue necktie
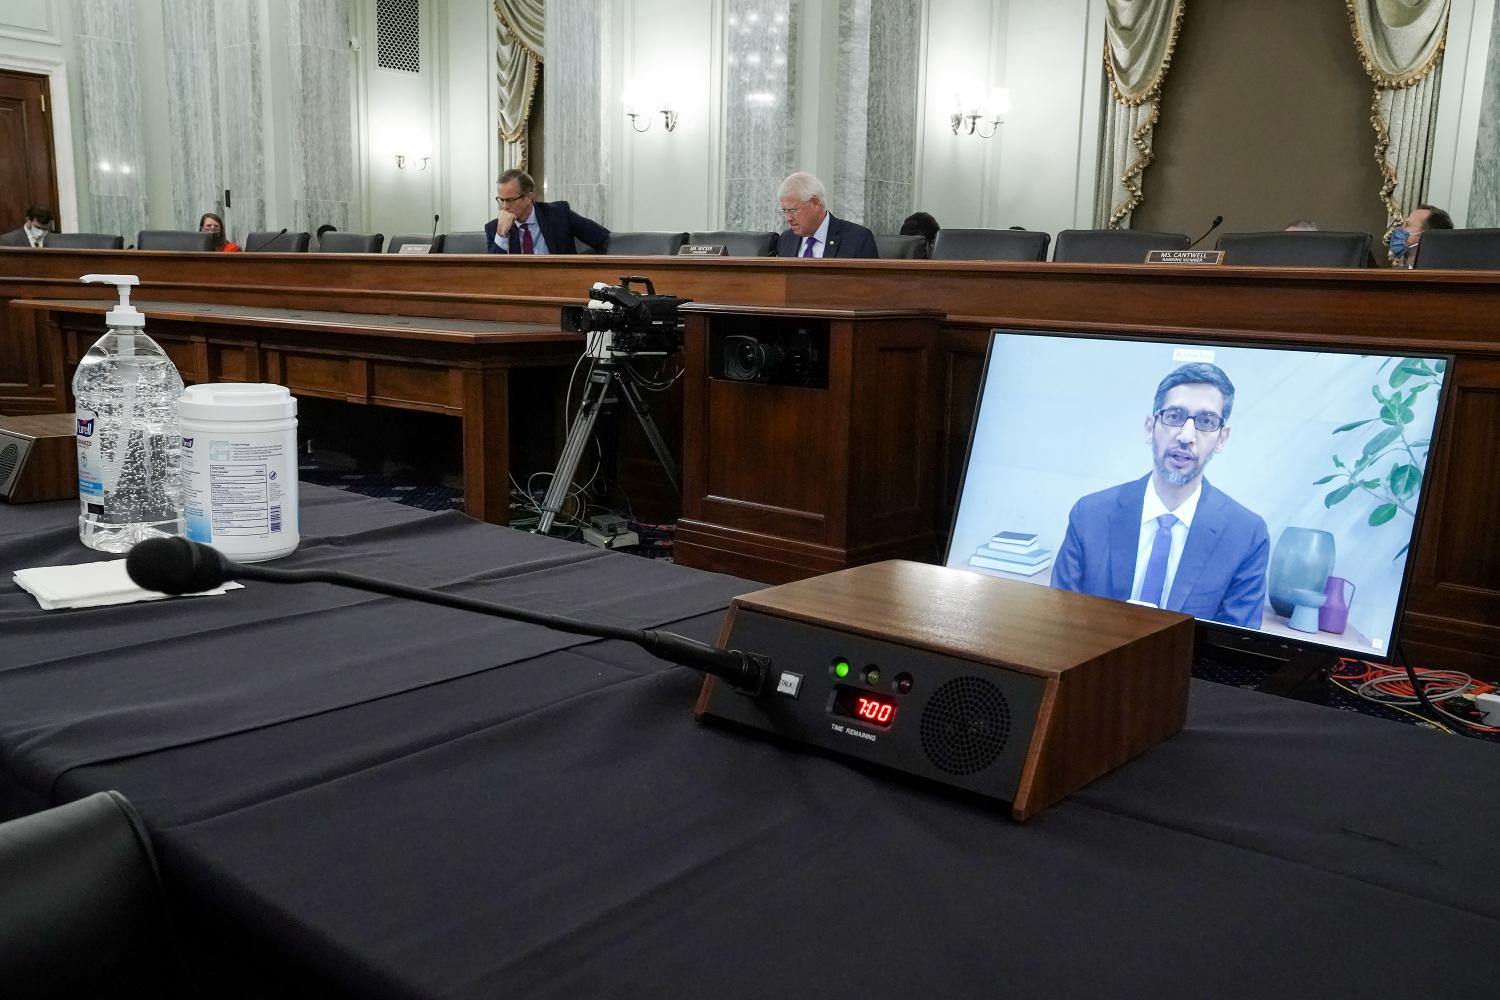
<point>1156,564</point>
<point>807,250</point>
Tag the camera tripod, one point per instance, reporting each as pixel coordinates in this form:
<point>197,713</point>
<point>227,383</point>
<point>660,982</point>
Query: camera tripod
<point>608,380</point>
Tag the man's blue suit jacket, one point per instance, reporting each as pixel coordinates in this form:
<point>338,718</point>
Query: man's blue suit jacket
<point>845,239</point>
<point>559,224</point>
<point>1220,577</point>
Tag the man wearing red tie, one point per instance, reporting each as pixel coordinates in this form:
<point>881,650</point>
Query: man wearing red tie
<point>814,231</point>
<point>525,225</point>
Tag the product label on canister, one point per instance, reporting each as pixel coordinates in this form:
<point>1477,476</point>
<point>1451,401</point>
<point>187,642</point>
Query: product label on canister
<point>234,488</point>
<point>90,461</point>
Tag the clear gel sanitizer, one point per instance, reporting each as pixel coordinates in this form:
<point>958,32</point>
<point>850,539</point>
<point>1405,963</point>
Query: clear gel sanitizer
<point>126,391</point>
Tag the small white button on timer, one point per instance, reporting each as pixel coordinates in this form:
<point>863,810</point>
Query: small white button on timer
<point>789,684</point>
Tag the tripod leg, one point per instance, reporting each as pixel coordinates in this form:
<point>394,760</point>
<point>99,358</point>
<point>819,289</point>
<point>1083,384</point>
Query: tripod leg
<point>594,396</point>
<point>653,435</point>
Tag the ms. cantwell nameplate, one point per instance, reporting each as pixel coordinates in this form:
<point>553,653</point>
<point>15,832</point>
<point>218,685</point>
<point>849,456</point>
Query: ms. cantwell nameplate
<point>1185,257</point>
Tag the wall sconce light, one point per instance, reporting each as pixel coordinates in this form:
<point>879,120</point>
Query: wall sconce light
<point>634,99</point>
<point>418,162</point>
<point>993,113</point>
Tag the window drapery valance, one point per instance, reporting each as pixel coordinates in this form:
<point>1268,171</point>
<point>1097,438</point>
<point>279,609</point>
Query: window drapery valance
<point>1139,36</point>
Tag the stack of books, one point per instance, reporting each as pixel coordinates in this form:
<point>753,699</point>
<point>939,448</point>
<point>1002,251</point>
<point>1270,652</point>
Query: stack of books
<point>1012,552</point>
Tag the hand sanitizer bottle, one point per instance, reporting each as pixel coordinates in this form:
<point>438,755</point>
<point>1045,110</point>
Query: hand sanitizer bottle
<point>129,444</point>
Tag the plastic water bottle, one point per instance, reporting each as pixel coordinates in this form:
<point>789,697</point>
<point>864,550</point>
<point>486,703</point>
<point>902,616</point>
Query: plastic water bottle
<point>129,444</point>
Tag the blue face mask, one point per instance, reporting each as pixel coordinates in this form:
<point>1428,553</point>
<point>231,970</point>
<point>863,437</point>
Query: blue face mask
<point>1399,241</point>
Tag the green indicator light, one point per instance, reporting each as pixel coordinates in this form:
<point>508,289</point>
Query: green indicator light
<point>841,668</point>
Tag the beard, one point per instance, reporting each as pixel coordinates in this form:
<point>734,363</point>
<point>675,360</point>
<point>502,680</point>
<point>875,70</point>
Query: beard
<point>1177,476</point>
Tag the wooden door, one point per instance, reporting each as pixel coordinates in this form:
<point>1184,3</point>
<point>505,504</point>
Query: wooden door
<point>27,172</point>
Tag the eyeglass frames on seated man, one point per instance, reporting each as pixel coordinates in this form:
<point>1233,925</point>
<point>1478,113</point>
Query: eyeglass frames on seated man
<point>1175,416</point>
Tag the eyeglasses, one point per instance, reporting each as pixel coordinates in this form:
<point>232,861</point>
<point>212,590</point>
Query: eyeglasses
<point>792,211</point>
<point>510,201</point>
<point>1176,416</point>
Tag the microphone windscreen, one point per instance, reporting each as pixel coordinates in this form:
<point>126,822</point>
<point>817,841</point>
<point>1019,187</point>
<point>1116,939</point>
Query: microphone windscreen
<point>174,566</point>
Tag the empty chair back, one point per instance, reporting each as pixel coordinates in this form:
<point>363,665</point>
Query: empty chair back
<point>464,243</point>
<point>175,239</point>
<point>990,244</point>
<point>1457,249</point>
<point>336,242</point>
<point>742,244</point>
<point>81,906</point>
<point>1113,246</point>
<point>278,242</point>
<point>1300,248</point>
<point>644,244</point>
<point>83,241</point>
<point>435,243</point>
<point>901,247</point>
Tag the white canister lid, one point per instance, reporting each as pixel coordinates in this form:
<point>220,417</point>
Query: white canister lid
<point>237,401</point>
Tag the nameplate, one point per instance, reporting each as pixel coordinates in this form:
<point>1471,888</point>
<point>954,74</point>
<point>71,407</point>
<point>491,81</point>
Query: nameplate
<point>701,250</point>
<point>1185,257</point>
<point>415,248</point>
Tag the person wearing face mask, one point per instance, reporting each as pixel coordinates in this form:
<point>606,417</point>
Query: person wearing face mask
<point>211,223</point>
<point>1171,539</point>
<point>34,232</point>
<point>1404,238</point>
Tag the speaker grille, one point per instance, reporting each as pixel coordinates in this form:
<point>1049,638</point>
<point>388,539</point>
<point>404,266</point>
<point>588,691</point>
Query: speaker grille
<point>9,456</point>
<point>398,35</point>
<point>965,725</point>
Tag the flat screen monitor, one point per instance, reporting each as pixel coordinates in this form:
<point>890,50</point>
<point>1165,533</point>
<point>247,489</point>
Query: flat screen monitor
<point>1267,490</point>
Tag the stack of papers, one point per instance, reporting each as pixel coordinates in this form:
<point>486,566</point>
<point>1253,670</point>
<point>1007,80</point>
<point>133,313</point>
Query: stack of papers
<point>89,585</point>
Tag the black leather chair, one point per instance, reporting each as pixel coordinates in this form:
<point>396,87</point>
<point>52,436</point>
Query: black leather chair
<point>83,241</point>
<point>644,244</point>
<point>1300,248</point>
<point>278,242</point>
<point>1454,249</point>
<point>336,242</point>
<point>82,912</point>
<point>901,247</point>
<point>174,239</point>
<point>435,243</point>
<point>464,243</point>
<point>1113,246</point>
<point>737,244</point>
<point>990,244</point>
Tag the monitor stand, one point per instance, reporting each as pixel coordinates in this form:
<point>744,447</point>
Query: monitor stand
<point>1294,671</point>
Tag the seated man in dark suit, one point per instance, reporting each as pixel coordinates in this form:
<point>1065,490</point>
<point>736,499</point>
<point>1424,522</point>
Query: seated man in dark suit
<point>1171,539</point>
<point>526,225</point>
<point>33,233</point>
<point>814,231</point>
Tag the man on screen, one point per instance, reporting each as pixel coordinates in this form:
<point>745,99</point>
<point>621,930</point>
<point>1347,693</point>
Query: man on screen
<point>1171,539</point>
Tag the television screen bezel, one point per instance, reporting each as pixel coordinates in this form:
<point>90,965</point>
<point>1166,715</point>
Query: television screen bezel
<point>1259,644</point>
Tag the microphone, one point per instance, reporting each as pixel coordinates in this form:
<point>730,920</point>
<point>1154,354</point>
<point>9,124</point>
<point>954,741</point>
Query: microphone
<point>262,246</point>
<point>434,226</point>
<point>1218,221</point>
<point>180,566</point>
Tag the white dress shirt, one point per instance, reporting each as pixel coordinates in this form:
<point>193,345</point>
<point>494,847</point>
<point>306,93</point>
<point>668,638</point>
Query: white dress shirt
<point>538,244</point>
<point>820,239</point>
<point>1152,508</point>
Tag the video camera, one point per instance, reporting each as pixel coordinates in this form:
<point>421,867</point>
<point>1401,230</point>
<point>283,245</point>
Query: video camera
<point>641,323</point>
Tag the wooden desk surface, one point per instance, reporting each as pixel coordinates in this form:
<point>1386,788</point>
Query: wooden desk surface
<point>374,324</point>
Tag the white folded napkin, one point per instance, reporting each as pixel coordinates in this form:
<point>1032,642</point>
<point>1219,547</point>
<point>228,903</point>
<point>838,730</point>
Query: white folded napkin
<point>89,585</point>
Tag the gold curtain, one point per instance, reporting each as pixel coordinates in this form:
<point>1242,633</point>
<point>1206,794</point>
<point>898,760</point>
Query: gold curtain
<point>1400,44</point>
<point>518,56</point>
<point>1139,37</point>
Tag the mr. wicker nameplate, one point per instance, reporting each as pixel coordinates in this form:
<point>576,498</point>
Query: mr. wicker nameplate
<point>1185,257</point>
<point>702,250</point>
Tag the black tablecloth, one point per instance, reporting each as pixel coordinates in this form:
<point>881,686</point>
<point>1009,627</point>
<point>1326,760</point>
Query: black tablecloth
<point>517,814</point>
